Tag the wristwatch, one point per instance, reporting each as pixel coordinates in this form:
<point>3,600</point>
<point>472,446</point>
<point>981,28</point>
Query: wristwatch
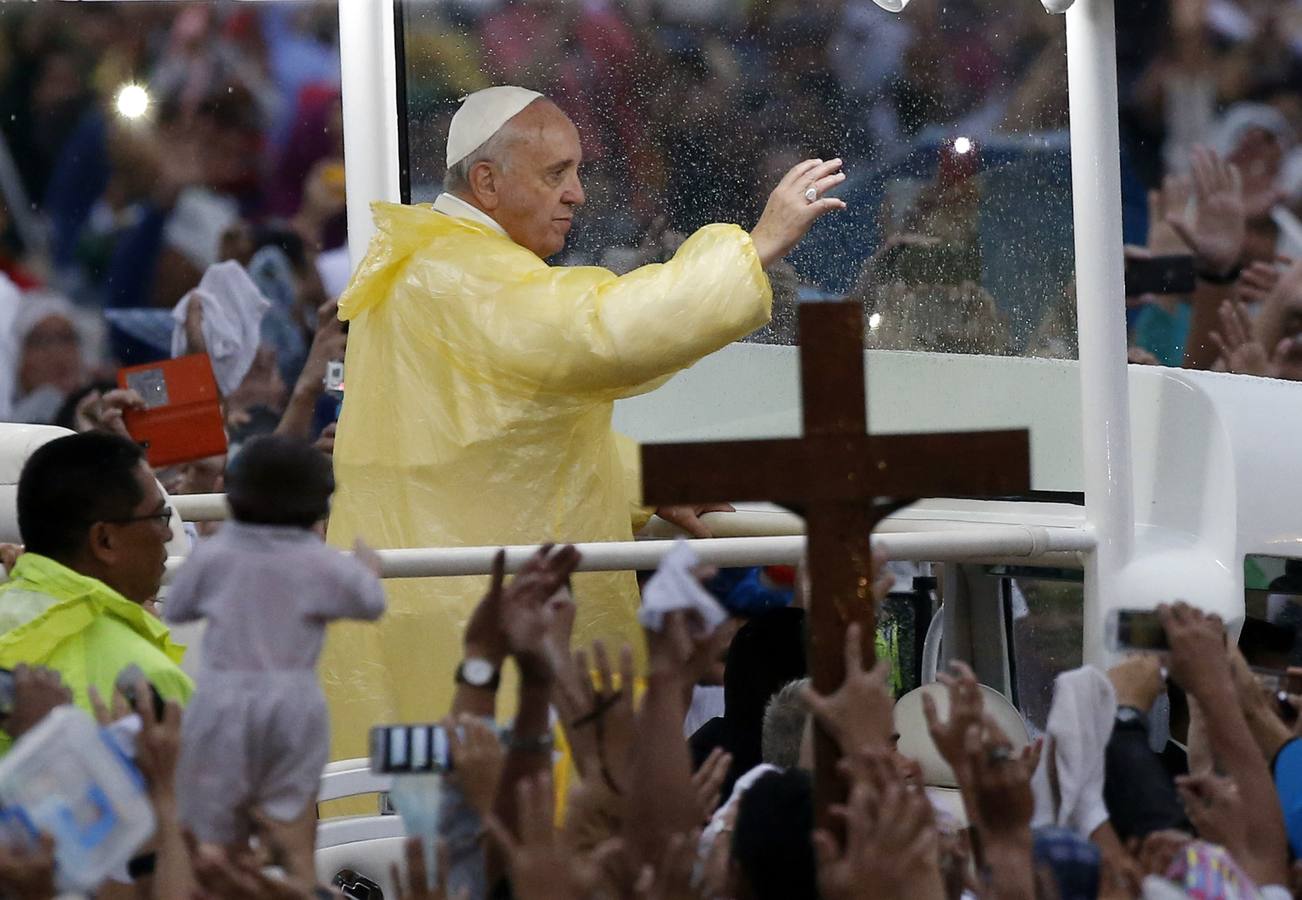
<point>478,672</point>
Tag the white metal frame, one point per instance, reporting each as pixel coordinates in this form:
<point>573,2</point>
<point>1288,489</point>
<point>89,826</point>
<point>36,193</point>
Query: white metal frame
<point>992,542</point>
<point>1100,308</point>
<point>370,105</point>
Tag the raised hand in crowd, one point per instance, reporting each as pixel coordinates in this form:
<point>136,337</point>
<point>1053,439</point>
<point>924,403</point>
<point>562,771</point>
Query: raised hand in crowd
<point>998,792</point>
<point>541,865</point>
<point>1241,352</point>
<point>533,624</point>
<point>676,652</point>
<point>158,746</point>
<point>328,344</point>
<point>28,873</point>
<point>966,709</point>
<point>37,691</point>
<point>1198,662</point>
<point>1279,317</point>
<point>860,712</point>
<point>662,800</point>
<point>325,441</point>
<point>484,639</point>
<point>1216,809</point>
<point>1259,706</point>
<point>1257,280</point>
<point>479,756</point>
<point>525,611</point>
<point>1216,226</point>
<point>1170,202</point>
<point>195,342</point>
<point>596,713</point>
<point>1138,356</point>
<point>1137,681</point>
<point>716,862</point>
<point>708,779</point>
<point>674,877</point>
<point>1158,849</point>
<point>104,412</point>
<point>1000,781</point>
<point>414,882</point>
<point>891,849</point>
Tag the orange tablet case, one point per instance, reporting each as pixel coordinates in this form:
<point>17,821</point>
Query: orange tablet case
<point>182,418</point>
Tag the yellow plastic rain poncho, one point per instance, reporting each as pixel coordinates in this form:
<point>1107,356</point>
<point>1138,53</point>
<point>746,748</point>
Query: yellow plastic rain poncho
<point>481,383</point>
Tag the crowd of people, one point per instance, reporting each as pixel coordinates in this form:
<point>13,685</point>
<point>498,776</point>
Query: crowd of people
<point>687,112</point>
<point>117,219</point>
<point>959,802</point>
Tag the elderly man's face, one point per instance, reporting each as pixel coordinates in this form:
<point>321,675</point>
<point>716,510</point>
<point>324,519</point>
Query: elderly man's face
<point>538,187</point>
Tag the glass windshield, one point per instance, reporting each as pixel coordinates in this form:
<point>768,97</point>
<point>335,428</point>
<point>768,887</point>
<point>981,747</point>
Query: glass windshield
<point>952,125</point>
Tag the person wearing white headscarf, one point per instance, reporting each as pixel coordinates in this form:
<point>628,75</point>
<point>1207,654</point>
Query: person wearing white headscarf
<point>50,356</point>
<point>481,383</point>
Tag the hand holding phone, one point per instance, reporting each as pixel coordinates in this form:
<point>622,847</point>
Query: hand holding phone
<point>128,681</point>
<point>1135,631</point>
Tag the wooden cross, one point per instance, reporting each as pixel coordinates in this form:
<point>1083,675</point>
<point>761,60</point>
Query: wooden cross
<point>835,474</point>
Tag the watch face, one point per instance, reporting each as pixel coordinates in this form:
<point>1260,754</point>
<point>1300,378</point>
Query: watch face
<point>477,672</point>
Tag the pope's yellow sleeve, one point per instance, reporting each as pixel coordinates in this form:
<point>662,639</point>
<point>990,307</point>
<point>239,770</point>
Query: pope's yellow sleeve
<point>582,332</point>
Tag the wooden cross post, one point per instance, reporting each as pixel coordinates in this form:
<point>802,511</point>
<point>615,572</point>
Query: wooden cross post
<point>834,473</point>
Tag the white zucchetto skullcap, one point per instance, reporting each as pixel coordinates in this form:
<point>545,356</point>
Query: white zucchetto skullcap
<point>482,115</point>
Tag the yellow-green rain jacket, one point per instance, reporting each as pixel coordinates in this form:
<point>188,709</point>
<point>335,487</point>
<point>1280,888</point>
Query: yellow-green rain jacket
<point>86,631</point>
<point>480,387</point>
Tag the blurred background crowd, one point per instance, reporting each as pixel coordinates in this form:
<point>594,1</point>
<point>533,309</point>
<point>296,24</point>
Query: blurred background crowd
<point>952,120</point>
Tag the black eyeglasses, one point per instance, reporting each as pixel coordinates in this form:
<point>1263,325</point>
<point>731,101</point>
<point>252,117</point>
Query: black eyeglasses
<point>163,516</point>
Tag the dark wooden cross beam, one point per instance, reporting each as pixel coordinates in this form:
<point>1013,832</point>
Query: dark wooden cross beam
<point>836,474</point>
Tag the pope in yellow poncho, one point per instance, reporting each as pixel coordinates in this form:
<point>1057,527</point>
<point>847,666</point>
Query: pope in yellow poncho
<point>480,388</point>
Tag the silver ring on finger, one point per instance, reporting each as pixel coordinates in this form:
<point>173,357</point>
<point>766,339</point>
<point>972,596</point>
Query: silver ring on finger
<point>811,193</point>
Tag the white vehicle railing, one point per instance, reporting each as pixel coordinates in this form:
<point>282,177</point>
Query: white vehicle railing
<point>1061,542</point>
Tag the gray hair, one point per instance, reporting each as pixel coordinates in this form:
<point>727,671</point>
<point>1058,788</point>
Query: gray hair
<point>785,719</point>
<point>494,150</point>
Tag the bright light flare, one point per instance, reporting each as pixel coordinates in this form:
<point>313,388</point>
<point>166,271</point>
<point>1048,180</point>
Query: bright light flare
<point>132,101</point>
<point>892,5</point>
<point>874,321</point>
<point>962,145</point>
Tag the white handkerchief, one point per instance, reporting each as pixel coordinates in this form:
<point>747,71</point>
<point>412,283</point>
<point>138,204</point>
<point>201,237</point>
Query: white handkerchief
<point>675,587</point>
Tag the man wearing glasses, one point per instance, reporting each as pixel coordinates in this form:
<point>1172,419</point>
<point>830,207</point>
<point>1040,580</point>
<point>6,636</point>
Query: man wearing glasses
<point>95,527</point>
